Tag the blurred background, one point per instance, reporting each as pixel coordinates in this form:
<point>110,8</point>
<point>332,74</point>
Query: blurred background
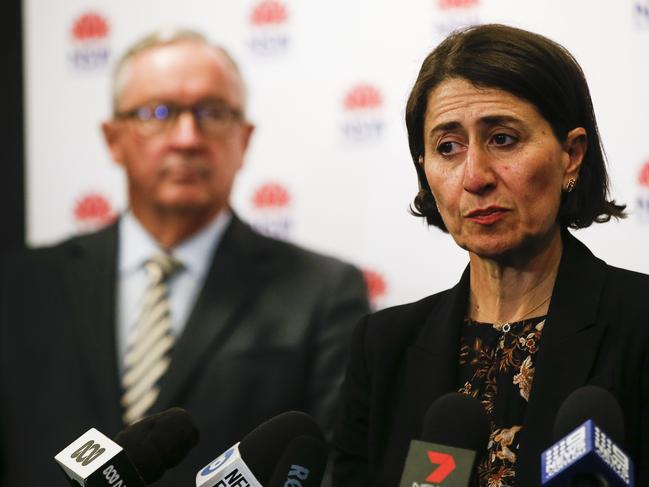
<point>329,166</point>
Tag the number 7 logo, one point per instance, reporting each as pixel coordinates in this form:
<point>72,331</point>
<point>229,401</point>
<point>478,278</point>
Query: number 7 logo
<point>446,464</point>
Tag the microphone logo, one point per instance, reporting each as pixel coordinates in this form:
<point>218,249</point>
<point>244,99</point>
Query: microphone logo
<point>445,465</point>
<point>216,464</point>
<point>87,452</point>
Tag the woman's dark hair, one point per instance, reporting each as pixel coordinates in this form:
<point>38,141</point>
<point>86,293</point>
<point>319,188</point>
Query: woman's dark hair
<point>531,67</point>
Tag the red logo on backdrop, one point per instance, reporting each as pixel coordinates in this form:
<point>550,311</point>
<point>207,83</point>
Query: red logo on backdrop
<point>269,36</point>
<point>89,42</point>
<point>271,202</point>
<point>90,26</point>
<point>449,4</point>
<point>643,193</point>
<point>363,97</point>
<point>268,12</point>
<point>643,176</point>
<point>93,211</point>
<point>376,286</point>
<point>363,120</point>
<point>445,465</point>
<point>271,195</point>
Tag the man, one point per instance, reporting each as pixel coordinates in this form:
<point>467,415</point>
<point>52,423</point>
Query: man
<point>177,304</point>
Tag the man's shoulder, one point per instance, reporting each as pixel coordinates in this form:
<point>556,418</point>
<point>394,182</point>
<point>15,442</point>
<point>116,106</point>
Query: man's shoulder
<point>58,253</point>
<point>295,257</point>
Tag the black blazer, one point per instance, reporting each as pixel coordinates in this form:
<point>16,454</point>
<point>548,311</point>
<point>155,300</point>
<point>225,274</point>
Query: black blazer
<point>269,333</point>
<point>403,358</point>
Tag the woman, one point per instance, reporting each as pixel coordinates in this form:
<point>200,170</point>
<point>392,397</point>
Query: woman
<point>505,143</point>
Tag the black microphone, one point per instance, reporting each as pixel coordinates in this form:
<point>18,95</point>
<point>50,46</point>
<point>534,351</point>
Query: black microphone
<point>252,461</point>
<point>139,455</point>
<point>454,437</point>
<point>158,442</point>
<point>589,426</point>
<point>302,464</point>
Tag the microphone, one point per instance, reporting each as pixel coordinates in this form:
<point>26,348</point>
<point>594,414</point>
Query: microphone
<point>589,425</point>
<point>252,461</point>
<point>302,464</point>
<point>139,455</point>
<point>455,435</point>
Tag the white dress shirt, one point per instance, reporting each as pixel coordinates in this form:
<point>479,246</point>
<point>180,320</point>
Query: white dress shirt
<point>135,246</point>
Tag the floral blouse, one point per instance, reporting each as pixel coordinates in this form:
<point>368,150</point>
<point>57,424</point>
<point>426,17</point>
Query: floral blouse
<point>497,368</point>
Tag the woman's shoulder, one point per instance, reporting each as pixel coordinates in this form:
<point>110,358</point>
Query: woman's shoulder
<point>400,325</point>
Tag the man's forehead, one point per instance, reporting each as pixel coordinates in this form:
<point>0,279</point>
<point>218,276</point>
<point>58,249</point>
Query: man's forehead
<point>188,67</point>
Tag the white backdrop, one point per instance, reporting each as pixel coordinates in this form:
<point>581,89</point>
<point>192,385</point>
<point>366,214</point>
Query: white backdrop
<point>329,166</point>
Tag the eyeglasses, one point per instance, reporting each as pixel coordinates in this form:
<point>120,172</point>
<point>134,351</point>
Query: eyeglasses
<point>213,119</point>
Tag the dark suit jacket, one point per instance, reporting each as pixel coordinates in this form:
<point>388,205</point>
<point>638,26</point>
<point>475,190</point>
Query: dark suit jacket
<point>403,358</point>
<point>269,333</point>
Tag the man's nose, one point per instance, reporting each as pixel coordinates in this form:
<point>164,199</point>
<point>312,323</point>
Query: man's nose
<point>479,175</point>
<point>186,132</point>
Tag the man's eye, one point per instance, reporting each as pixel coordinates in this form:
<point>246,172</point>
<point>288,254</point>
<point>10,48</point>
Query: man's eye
<point>213,113</point>
<point>448,148</point>
<point>503,139</point>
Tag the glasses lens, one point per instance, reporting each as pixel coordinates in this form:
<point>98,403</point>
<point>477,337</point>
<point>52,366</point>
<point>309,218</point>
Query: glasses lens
<point>153,119</point>
<point>214,119</point>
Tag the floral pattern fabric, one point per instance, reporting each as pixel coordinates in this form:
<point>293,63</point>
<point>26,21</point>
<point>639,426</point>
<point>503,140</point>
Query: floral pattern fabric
<point>497,368</point>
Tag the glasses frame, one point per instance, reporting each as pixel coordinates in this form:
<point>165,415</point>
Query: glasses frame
<point>153,125</point>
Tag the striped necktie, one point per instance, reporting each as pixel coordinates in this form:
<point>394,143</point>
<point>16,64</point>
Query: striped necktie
<point>150,342</point>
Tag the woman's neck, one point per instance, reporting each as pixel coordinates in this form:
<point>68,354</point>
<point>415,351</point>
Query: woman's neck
<point>510,290</point>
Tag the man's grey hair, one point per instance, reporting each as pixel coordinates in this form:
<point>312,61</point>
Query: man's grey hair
<point>162,37</point>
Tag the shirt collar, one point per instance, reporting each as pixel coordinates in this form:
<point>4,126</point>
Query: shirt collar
<point>136,245</point>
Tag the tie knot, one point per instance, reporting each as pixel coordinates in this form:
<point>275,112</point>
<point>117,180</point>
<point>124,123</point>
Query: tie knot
<point>161,266</point>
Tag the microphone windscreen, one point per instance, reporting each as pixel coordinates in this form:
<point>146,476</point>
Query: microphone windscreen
<point>302,463</point>
<point>457,420</point>
<point>594,403</point>
<point>158,442</point>
<point>262,447</point>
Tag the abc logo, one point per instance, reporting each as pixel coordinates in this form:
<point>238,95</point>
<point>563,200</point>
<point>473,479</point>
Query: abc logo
<point>87,452</point>
<point>212,467</point>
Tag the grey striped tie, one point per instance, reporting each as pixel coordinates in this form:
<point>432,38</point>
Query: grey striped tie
<point>149,343</point>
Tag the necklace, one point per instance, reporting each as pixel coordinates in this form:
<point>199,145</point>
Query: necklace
<point>505,327</point>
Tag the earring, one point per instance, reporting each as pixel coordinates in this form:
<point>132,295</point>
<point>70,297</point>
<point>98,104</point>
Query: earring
<point>571,185</point>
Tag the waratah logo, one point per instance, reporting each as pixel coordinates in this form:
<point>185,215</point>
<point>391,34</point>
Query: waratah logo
<point>271,195</point>
<point>89,34</point>
<point>363,97</point>
<point>272,215</point>
<point>643,193</point>
<point>376,287</point>
<point>268,12</point>
<point>93,211</point>
<point>90,26</point>
<point>456,4</point>
<point>363,120</point>
<point>269,35</point>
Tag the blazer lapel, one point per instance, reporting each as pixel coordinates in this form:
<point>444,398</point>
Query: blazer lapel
<point>567,351</point>
<point>431,368</point>
<point>89,280</point>
<point>234,276</point>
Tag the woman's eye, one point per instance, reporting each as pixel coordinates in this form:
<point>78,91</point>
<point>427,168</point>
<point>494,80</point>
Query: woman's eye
<point>448,148</point>
<point>503,139</point>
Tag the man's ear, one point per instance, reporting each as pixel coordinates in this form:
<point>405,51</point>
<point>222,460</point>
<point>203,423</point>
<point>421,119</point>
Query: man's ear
<point>112,135</point>
<point>248,130</point>
<point>574,148</point>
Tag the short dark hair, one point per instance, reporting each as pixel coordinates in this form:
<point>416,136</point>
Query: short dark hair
<point>533,68</point>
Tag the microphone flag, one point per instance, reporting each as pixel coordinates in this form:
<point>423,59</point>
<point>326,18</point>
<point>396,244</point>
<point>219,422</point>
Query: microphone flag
<point>589,450</point>
<point>94,460</point>
<point>433,465</point>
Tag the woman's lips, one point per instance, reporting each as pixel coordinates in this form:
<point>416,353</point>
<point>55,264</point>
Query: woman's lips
<point>487,216</point>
